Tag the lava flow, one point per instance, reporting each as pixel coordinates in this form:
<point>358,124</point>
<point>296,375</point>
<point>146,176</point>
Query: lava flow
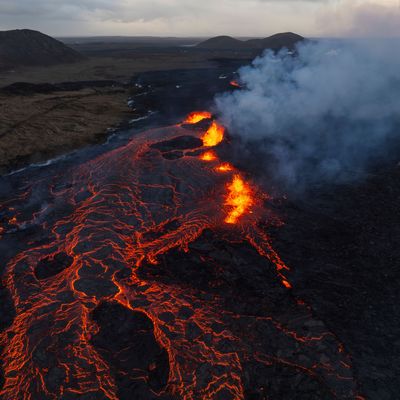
<point>214,135</point>
<point>197,116</point>
<point>148,272</point>
<point>224,167</point>
<point>208,156</point>
<point>239,199</point>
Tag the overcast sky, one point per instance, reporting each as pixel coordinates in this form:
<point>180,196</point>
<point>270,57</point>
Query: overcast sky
<point>203,17</point>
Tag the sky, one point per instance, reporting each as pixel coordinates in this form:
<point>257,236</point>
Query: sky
<point>204,18</point>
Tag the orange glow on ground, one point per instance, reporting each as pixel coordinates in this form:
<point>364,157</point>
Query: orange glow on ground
<point>208,156</point>
<point>234,83</point>
<point>197,116</point>
<point>239,199</point>
<point>214,135</point>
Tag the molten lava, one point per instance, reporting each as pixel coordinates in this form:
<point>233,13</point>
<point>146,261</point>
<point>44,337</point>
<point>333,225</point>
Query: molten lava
<point>214,135</point>
<point>208,156</point>
<point>234,84</point>
<point>225,167</point>
<point>197,116</point>
<point>239,199</point>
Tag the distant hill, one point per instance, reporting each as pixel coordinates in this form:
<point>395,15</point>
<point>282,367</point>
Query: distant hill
<point>31,48</point>
<point>275,42</point>
<point>222,42</point>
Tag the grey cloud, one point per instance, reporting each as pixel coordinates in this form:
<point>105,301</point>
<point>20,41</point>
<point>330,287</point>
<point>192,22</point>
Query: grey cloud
<point>376,20</point>
<point>192,17</point>
<point>104,9</point>
<point>361,18</point>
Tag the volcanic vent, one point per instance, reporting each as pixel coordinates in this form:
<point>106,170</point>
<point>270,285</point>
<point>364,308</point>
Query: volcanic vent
<point>151,275</point>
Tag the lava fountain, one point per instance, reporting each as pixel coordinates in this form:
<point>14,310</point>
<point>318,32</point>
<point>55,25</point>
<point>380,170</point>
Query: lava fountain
<point>214,135</point>
<point>239,199</point>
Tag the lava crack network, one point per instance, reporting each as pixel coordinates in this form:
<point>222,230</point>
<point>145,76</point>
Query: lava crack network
<point>132,286</point>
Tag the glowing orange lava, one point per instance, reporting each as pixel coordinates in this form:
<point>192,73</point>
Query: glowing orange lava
<point>239,199</point>
<point>214,135</point>
<point>225,167</point>
<point>197,116</point>
<point>208,156</point>
<point>286,284</point>
<point>235,84</point>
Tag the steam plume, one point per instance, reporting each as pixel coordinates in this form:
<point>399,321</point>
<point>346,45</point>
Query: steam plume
<point>319,116</point>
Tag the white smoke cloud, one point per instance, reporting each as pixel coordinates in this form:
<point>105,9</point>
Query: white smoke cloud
<point>319,116</point>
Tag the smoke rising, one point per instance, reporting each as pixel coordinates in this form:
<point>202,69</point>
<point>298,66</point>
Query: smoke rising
<point>319,116</point>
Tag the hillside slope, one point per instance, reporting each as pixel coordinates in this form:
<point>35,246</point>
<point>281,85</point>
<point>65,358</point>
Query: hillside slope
<point>222,42</point>
<point>276,42</point>
<point>31,48</point>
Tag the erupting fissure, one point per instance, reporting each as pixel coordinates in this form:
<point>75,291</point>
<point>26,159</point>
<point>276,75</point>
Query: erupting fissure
<point>239,200</point>
<point>197,116</point>
<point>208,156</point>
<point>224,167</point>
<point>214,135</point>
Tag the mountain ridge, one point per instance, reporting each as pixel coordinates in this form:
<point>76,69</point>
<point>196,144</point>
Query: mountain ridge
<point>274,42</point>
<point>25,47</point>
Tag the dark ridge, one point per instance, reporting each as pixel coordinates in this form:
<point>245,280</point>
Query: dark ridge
<point>24,47</point>
<point>274,42</point>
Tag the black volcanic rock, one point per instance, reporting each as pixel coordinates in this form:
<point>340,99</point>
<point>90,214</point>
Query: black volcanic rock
<point>126,341</point>
<point>173,155</point>
<point>48,267</point>
<point>7,311</point>
<point>274,42</point>
<point>178,143</point>
<point>31,48</point>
